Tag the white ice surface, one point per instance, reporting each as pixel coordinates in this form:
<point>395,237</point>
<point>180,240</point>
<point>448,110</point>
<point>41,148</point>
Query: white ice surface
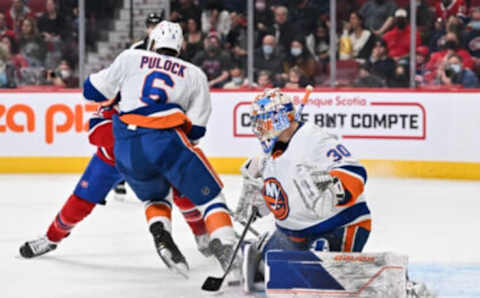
<point>111,253</point>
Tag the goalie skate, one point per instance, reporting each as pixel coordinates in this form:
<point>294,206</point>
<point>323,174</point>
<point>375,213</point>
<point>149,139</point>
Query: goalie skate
<point>168,250</point>
<point>224,253</point>
<point>37,247</point>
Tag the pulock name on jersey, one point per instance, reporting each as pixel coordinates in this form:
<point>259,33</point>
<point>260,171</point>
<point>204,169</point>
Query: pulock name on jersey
<point>167,65</point>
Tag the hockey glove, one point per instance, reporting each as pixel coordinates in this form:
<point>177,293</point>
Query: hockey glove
<point>319,191</point>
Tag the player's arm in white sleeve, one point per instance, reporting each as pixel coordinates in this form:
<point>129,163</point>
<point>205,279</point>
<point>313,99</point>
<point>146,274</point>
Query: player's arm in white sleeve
<point>200,106</point>
<point>340,163</point>
<point>103,86</point>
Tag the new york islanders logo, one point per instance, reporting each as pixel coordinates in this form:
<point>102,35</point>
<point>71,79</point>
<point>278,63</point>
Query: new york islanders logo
<point>276,198</point>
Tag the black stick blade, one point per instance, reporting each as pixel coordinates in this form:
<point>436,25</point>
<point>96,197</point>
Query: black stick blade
<point>212,284</point>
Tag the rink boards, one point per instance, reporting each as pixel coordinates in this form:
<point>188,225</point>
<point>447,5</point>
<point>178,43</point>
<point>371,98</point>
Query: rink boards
<point>394,132</point>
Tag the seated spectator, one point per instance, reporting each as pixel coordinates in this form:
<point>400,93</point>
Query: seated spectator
<point>193,40</point>
<point>451,47</point>
<point>50,24</point>
<point>300,57</point>
<point>361,40</point>
<point>282,29</point>
<point>263,20</point>
<point>264,80</point>
<point>378,15</point>
<point>401,78</point>
<point>447,8</point>
<point>62,76</point>
<point>269,56</point>
<point>236,40</point>
<point>238,79</point>
<point>436,36</point>
<point>367,80</point>
<point>215,19</point>
<point>31,44</point>
<point>213,61</point>
<point>4,31</point>
<point>380,63</point>
<point>453,74</point>
<point>423,76</point>
<point>398,39</point>
<point>471,36</point>
<point>184,10</point>
<point>18,12</point>
<point>294,78</point>
<point>303,15</point>
<point>17,60</point>
<point>319,45</point>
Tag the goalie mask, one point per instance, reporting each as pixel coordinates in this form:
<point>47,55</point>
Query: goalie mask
<point>272,112</point>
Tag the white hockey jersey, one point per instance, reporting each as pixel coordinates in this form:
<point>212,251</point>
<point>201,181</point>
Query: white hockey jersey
<point>311,145</point>
<point>156,91</point>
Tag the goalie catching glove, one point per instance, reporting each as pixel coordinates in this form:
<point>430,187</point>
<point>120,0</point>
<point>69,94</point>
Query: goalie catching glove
<point>320,192</point>
<point>251,194</point>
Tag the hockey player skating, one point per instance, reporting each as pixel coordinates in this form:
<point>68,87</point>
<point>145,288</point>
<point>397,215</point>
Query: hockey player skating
<point>151,21</point>
<point>97,180</point>
<point>308,179</point>
<point>165,107</point>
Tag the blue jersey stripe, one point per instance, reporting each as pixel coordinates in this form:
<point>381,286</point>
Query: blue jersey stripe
<point>215,206</point>
<point>91,93</point>
<point>345,217</point>
<point>359,170</point>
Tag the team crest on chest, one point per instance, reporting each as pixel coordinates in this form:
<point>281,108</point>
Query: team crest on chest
<point>276,198</point>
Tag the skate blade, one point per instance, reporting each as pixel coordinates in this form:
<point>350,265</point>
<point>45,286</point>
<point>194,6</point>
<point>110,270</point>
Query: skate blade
<point>181,269</point>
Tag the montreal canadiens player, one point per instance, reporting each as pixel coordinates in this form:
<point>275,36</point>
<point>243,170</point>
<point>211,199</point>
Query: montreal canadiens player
<point>308,179</point>
<point>164,110</point>
<point>97,180</point>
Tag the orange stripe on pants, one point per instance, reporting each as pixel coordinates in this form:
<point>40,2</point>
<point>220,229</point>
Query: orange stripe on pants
<point>217,220</point>
<point>350,232</point>
<point>158,210</point>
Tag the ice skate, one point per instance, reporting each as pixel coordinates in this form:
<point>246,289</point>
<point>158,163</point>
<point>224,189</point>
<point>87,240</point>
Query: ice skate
<point>203,244</point>
<point>168,250</point>
<point>37,247</point>
<point>223,253</point>
<point>120,191</point>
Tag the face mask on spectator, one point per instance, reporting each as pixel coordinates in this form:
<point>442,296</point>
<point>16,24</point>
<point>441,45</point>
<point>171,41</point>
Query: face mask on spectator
<point>65,74</point>
<point>237,80</point>
<point>296,51</point>
<point>401,23</point>
<point>267,49</point>
<point>451,45</point>
<point>455,67</point>
<point>475,25</point>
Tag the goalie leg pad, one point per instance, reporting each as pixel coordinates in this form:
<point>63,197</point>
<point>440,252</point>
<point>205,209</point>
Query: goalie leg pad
<point>335,274</point>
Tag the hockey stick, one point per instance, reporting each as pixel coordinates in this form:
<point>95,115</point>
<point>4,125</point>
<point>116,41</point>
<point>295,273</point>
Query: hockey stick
<point>250,228</point>
<point>213,284</point>
<point>298,114</point>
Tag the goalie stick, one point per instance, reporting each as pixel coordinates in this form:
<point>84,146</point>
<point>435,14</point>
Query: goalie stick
<point>213,284</point>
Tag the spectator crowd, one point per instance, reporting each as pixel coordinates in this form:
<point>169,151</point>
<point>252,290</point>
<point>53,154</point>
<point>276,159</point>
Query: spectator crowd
<point>292,42</point>
<point>39,40</point>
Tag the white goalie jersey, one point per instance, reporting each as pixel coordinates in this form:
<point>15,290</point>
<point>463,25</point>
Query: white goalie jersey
<point>301,209</point>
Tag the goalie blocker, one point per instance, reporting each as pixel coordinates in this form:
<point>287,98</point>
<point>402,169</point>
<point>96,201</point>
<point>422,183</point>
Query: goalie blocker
<point>332,274</point>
